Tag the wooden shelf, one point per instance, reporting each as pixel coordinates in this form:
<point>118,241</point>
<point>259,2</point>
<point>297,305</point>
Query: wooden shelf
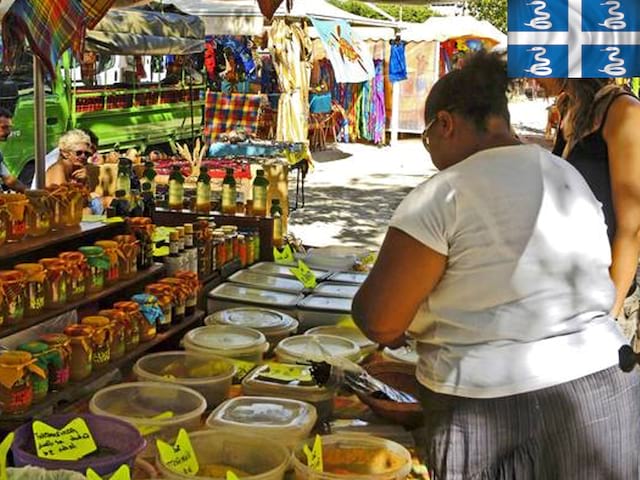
<point>75,391</point>
<point>141,277</point>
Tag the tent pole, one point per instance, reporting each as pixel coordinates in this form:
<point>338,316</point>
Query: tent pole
<point>40,123</point>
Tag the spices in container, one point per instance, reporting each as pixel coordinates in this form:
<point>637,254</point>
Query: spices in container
<point>16,391</point>
<point>35,277</point>
<point>151,310</point>
<point>113,253</point>
<point>101,337</point>
<point>56,283</point>
<point>81,364</point>
<point>59,367</point>
<point>132,309</point>
<point>130,328</point>
<point>191,280</point>
<point>164,296</point>
<point>98,263</point>
<point>16,205</point>
<point>128,247</point>
<point>39,213</point>
<point>42,354</point>
<point>181,292</point>
<point>77,273</point>
<point>12,285</point>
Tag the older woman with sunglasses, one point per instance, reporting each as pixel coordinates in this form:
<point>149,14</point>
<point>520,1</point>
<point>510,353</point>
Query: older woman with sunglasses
<point>75,151</point>
<point>498,266</point>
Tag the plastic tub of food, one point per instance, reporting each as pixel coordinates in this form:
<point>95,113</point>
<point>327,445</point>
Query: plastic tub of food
<point>275,269</point>
<point>157,410</point>
<point>303,348</point>
<point>267,282</point>
<point>355,456</point>
<point>319,310</point>
<point>281,420</point>
<point>211,376</point>
<point>334,257</point>
<point>305,389</point>
<point>229,341</point>
<point>273,324</point>
<point>118,443</point>
<point>354,334</point>
<point>406,354</point>
<point>232,295</point>
<point>336,289</point>
<point>354,278</point>
<point>248,455</point>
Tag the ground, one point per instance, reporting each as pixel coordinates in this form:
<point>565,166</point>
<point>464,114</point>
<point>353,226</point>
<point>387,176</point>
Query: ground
<point>354,189</point>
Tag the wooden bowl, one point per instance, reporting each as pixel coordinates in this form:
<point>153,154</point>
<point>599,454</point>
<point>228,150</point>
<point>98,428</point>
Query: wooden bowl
<point>401,377</point>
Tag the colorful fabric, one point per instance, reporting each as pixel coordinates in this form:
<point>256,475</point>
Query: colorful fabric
<point>397,62</point>
<point>225,112</point>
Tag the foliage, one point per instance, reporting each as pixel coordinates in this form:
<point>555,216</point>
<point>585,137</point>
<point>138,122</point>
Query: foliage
<point>494,11</point>
<point>410,13</point>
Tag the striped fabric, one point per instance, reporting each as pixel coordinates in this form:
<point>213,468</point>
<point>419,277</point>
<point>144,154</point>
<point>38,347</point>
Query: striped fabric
<point>586,429</point>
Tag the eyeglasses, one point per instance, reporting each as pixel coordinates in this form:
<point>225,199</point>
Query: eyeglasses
<point>85,153</point>
<point>425,133</point>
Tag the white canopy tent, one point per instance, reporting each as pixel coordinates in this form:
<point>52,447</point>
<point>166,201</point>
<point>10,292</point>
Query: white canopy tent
<point>443,28</point>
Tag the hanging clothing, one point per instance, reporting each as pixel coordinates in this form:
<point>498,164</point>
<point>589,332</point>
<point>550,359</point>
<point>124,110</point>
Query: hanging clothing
<point>398,61</point>
<point>378,116</point>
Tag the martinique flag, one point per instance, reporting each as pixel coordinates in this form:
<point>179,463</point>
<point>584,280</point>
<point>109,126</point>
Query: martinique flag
<point>574,38</point>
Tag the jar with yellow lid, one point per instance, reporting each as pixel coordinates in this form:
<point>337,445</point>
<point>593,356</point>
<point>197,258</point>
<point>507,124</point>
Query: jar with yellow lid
<point>113,253</point>
<point>43,356</point>
<point>58,370</point>
<point>81,364</point>
<point>181,292</point>
<point>101,337</point>
<point>128,246</point>
<point>55,288</point>
<point>16,391</point>
<point>192,282</point>
<point>77,271</point>
<point>12,284</point>
<point>132,309</point>
<point>98,264</point>
<point>39,213</point>
<point>16,205</point>
<point>35,297</point>
<point>130,328</point>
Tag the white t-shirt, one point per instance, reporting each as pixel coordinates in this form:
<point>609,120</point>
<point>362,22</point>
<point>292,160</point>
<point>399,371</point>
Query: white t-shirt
<point>524,301</point>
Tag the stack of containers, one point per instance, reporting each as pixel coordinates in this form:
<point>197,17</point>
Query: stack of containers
<point>240,343</point>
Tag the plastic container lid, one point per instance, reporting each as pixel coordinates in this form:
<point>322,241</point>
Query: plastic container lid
<point>202,369</point>
<point>353,334</point>
<point>356,278</point>
<point>269,322</point>
<point>267,282</point>
<point>254,384</point>
<point>226,338</point>
<point>316,347</point>
<point>326,304</point>
<point>241,294</point>
<point>406,354</point>
<point>336,289</point>
<point>272,268</point>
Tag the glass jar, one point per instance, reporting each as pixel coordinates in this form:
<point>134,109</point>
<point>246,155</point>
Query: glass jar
<point>130,329</point>
<point>143,228</point>
<point>81,362</point>
<point>164,296</point>
<point>98,263</point>
<point>35,298</point>
<point>256,246</point>
<point>112,252</point>
<point>251,255</point>
<point>39,213</point>
<point>12,284</point>
<point>41,353</point>
<point>16,205</point>
<point>128,246</point>
<point>181,292</point>
<point>231,232</point>
<point>55,287</point>
<point>132,309</point>
<point>59,367</point>
<point>242,250</point>
<point>191,280</point>
<point>77,199</point>
<point>16,391</point>
<point>4,221</point>
<point>101,337</point>
<point>59,207</point>
<point>220,243</point>
<point>77,272</point>
<point>152,311</point>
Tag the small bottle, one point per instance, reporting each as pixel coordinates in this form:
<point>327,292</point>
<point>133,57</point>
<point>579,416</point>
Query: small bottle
<point>276,214</point>
<point>136,205</point>
<point>260,186</point>
<point>149,176</point>
<point>229,193</point>
<point>148,201</point>
<point>240,206</point>
<point>120,205</point>
<point>123,180</point>
<point>173,260</point>
<point>176,189</point>
<point>191,251</point>
<point>181,252</point>
<point>203,191</point>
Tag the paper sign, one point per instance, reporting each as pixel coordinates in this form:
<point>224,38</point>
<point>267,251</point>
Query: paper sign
<point>305,275</point>
<point>242,368</point>
<point>72,442</point>
<point>114,220</point>
<point>161,251</point>
<point>94,218</point>
<point>232,476</point>
<point>286,256</point>
<point>287,373</point>
<point>149,429</point>
<point>314,456</point>
<point>4,449</point>
<point>123,473</point>
<point>369,259</point>
<point>179,458</point>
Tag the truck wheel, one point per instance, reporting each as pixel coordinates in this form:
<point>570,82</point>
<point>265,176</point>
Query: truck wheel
<point>27,173</point>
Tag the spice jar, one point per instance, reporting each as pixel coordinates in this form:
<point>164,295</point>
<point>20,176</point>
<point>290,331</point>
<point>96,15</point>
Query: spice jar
<point>98,264</point>
<point>77,273</point>
<point>143,229</point>
<point>55,287</point>
<point>101,337</point>
<point>81,351</point>
<point>16,391</point>
<point>181,292</point>
<point>164,297</point>
<point>113,253</point>
<point>16,205</point>
<point>59,367</point>
<point>128,246</point>
<point>130,328</point>
<point>35,277</point>
<point>39,213</point>
<point>12,284</point>
<point>42,354</point>
<point>132,309</point>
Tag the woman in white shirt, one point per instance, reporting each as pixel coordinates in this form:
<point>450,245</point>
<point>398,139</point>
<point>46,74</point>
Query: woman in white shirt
<point>498,267</point>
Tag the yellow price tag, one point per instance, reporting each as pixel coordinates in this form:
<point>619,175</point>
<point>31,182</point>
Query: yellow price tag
<point>114,220</point>
<point>231,476</point>
<point>4,449</point>
<point>149,429</point>
<point>287,372</point>
<point>71,442</point>
<point>286,256</point>
<point>305,275</point>
<point>161,251</point>
<point>369,259</point>
<point>94,218</point>
<point>123,473</point>
<point>242,368</point>
<point>314,456</point>
<point>179,457</point>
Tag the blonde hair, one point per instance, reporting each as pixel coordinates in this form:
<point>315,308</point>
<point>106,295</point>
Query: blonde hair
<point>69,140</point>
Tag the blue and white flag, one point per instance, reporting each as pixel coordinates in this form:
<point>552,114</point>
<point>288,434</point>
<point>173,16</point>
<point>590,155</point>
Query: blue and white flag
<point>574,38</point>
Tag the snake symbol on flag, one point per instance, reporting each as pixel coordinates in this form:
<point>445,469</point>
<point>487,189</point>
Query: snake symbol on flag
<point>541,67</point>
<point>616,18</point>
<point>615,68</point>
<point>541,21</point>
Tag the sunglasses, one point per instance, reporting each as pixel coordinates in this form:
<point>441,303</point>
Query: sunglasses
<point>81,153</point>
<point>425,132</point>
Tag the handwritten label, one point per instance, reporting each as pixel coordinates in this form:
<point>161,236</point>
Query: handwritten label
<point>149,429</point>
<point>231,476</point>
<point>286,256</point>
<point>72,442</point>
<point>123,473</point>
<point>114,220</point>
<point>163,251</point>
<point>4,449</point>
<point>314,456</point>
<point>305,275</point>
<point>242,368</point>
<point>287,373</point>
<point>179,458</point>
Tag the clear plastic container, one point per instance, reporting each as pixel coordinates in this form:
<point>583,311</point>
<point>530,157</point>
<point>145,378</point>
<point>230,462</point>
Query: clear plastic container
<point>355,278</point>
<point>336,289</point>
<point>319,310</point>
<point>272,268</point>
<point>273,324</point>
<point>354,334</point>
<point>303,348</point>
<point>255,383</point>
<point>364,457</point>
<point>229,341</point>
<point>249,456</point>
<point>287,422</point>
<point>232,295</point>
<point>267,282</point>
<point>157,409</point>
<point>211,376</point>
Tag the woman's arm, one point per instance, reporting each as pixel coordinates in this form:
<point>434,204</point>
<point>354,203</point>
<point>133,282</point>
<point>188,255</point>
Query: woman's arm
<point>55,175</point>
<point>621,135</point>
<point>403,276</point>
